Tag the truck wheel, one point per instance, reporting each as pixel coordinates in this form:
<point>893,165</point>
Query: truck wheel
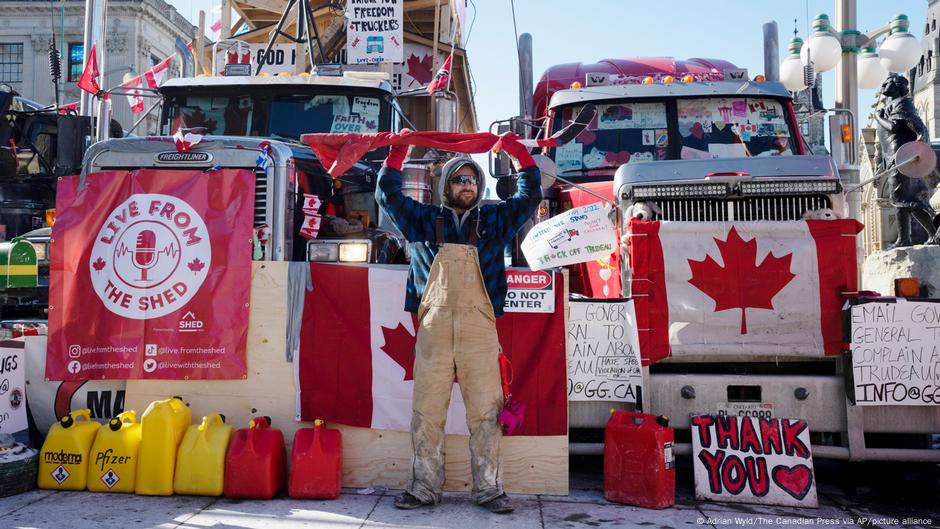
<point>19,465</point>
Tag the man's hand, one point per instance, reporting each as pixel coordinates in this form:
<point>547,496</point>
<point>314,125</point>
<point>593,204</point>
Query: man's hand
<point>397,154</point>
<point>509,144</point>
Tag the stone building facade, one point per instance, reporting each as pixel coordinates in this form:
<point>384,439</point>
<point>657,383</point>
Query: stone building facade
<point>139,33</point>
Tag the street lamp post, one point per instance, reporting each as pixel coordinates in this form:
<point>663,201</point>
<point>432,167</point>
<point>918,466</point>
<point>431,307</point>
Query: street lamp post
<point>826,49</point>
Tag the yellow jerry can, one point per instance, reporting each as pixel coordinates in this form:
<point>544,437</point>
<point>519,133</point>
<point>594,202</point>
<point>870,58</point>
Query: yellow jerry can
<point>63,461</point>
<point>113,461</point>
<point>161,429</point>
<point>200,464</point>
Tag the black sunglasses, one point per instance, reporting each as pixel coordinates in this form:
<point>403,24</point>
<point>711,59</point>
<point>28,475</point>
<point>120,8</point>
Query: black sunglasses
<point>463,179</point>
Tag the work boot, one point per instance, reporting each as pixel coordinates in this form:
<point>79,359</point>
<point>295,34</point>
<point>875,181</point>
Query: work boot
<point>499,505</point>
<point>408,501</point>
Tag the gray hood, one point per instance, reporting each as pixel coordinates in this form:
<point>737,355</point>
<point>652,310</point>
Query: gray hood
<point>450,168</point>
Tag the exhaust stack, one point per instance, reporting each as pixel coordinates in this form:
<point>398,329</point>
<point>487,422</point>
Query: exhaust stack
<point>96,15</point>
<point>771,52</point>
<point>525,78</point>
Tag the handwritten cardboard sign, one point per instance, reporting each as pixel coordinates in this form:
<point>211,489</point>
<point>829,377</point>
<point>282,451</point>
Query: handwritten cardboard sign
<point>603,352</point>
<point>374,31</point>
<point>12,387</point>
<point>749,460</point>
<point>578,235</point>
<point>896,353</point>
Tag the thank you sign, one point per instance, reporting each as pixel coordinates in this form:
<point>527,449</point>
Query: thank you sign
<point>749,460</point>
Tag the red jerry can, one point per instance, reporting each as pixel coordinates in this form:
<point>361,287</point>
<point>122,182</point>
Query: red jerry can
<point>256,462</point>
<point>639,467</point>
<point>316,463</point>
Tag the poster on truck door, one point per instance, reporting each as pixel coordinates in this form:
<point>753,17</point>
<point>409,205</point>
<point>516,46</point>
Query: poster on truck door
<point>149,275</point>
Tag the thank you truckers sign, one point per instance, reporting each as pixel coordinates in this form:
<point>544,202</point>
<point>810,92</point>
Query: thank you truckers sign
<point>374,31</point>
<point>149,275</point>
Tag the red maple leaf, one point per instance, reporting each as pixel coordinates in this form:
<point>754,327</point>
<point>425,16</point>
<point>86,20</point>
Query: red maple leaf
<point>98,264</point>
<point>741,283</point>
<point>420,69</point>
<point>196,265</point>
<point>400,346</point>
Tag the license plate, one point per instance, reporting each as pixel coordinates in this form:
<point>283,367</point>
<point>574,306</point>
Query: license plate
<point>760,410</point>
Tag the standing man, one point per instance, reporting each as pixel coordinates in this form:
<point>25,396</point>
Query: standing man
<point>457,285</point>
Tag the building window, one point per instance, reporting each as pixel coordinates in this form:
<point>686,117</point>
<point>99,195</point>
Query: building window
<point>76,60</point>
<point>11,63</point>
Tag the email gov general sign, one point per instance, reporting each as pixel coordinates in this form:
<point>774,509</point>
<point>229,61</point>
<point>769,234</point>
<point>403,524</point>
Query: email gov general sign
<point>148,275</point>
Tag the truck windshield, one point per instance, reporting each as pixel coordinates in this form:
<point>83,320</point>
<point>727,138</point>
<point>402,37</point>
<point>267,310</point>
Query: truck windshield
<point>283,116</point>
<point>714,127</point>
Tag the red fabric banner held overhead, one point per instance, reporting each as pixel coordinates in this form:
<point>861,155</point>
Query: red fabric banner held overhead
<point>338,152</point>
<point>149,275</point>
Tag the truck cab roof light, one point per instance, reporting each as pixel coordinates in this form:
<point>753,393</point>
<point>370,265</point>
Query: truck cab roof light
<point>688,78</point>
<point>669,79</point>
<point>648,79</point>
<point>575,85</point>
<point>759,78</point>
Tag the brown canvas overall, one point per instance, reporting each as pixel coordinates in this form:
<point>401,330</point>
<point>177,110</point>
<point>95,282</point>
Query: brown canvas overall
<point>456,335</point>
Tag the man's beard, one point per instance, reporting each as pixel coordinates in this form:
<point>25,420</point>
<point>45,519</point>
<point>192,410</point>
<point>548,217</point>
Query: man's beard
<point>463,200</point>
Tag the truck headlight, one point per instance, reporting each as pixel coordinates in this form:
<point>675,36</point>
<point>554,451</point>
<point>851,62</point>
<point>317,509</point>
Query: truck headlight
<point>353,252</point>
<point>322,251</point>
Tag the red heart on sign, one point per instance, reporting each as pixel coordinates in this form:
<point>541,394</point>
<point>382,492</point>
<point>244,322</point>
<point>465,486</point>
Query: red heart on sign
<point>796,480</point>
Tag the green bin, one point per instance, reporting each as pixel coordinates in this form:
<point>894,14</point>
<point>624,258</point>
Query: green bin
<point>18,264</point>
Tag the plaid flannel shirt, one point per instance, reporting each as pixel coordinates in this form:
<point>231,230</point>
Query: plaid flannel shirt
<point>498,225</point>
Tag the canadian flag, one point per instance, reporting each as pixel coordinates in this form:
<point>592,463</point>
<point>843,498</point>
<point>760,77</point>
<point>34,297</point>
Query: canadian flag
<point>356,359</point>
<point>757,288</point>
<point>152,78</point>
<point>89,79</point>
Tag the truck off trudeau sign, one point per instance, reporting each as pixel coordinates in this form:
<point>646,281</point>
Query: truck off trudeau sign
<point>148,275</point>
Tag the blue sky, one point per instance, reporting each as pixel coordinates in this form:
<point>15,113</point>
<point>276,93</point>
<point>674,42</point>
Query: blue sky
<point>590,30</point>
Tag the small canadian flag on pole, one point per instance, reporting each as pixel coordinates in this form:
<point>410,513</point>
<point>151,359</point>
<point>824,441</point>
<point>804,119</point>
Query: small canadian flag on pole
<point>311,203</point>
<point>152,78</point>
<point>311,226</point>
<point>89,79</point>
<point>440,79</point>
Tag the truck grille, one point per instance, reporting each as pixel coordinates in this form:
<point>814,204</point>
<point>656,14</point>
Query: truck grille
<point>741,209</point>
<point>261,198</point>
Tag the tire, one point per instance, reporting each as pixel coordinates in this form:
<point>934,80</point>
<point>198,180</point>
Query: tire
<point>19,466</point>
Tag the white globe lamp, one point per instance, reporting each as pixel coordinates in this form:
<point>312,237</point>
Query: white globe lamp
<point>900,51</point>
<point>791,69</point>
<point>822,47</point>
<point>871,73</point>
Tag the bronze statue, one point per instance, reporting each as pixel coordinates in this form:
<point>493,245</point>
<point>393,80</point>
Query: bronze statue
<point>898,123</point>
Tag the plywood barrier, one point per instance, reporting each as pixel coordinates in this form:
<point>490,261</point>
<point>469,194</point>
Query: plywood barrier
<point>532,465</point>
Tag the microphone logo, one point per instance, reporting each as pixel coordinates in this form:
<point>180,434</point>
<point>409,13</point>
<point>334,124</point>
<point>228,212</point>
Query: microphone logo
<point>145,253</point>
<point>150,261</point>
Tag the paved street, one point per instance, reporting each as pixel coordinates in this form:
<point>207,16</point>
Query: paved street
<point>875,496</point>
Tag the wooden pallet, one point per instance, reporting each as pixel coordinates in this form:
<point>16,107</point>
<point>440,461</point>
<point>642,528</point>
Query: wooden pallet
<point>532,464</point>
